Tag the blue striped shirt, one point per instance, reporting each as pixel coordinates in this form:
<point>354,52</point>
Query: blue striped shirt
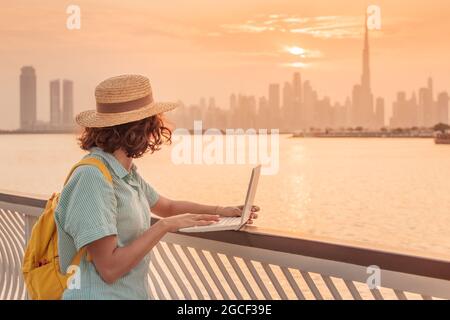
<point>91,208</point>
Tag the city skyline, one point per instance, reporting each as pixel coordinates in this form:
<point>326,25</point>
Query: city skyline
<point>297,106</point>
<point>249,111</point>
<point>292,107</point>
<point>61,105</point>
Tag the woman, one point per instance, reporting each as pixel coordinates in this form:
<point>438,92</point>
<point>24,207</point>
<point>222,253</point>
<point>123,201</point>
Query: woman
<point>113,220</point>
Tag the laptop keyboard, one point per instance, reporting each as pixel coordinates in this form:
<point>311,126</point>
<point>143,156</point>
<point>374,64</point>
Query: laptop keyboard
<point>227,221</point>
<point>230,223</point>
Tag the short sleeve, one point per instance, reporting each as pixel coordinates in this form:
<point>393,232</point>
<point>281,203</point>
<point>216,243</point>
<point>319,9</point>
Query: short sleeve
<point>150,193</point>
<point>88,206</point>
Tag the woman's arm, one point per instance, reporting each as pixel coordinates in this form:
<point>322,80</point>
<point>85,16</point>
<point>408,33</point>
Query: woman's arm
<point>165,207</point>
<point>113,262</point>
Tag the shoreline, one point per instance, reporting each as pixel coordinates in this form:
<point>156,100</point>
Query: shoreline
<point>293,134</point>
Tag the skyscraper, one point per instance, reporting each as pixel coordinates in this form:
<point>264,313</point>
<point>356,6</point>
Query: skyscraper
<point>298,101</point>
<point>309,101</point>
<point>425,112</point>
<point>263,113</point>
<point>367,114</point>
<point>27,98</point>
<point>274,104</point>
<point>67,104</point>
<point>379,112</point>
<point>355,114</point>
<point>297,87</point>
<point>404,111</point>
<point>363,113</point>
<point>442,107</point>
<point>365,77</point>
<point>55,103</point>
<point>288,106</point>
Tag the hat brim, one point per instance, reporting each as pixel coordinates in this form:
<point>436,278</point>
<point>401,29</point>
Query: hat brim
<point>94,119</point>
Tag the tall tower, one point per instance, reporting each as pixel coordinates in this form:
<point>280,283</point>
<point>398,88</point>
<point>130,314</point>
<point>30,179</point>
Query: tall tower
<point>67,103</point>
<point>55,103</point>
<point>366,113</point>
<point>27,98</point>
<point>365,78</point>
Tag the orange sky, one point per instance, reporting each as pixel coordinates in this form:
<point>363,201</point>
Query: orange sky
<point>200,48</point>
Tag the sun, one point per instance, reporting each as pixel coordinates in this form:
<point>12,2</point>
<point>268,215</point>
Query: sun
<point>296,51</point>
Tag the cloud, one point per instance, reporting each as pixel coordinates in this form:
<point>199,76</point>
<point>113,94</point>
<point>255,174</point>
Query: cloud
<point>326,27</point>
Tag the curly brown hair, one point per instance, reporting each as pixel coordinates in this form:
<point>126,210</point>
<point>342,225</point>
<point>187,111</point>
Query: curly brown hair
<point>135,138</point>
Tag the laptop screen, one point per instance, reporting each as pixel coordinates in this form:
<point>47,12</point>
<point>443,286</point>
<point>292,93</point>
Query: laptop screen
<point>251,191</point>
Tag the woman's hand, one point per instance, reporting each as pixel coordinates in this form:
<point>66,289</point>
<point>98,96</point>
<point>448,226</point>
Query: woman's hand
<point>237,212</point>
<point>174,223</point>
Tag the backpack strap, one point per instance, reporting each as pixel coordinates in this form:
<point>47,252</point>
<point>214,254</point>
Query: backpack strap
<point>77,259</point>
<point>93,162</point>
<point>102,167</point>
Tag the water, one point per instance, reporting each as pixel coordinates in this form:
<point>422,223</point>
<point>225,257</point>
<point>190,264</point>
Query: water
<point>389,192</point>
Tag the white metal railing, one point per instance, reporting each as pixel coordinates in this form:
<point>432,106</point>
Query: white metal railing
<point>250,264</point>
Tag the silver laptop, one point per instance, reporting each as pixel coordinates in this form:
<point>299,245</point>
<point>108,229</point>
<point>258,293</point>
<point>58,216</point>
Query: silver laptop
<point>233,223</point>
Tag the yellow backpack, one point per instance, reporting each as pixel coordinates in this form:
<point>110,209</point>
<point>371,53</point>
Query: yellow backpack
<point>41,272</point>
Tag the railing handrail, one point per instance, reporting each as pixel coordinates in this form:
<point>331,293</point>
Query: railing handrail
<point>316,247</point>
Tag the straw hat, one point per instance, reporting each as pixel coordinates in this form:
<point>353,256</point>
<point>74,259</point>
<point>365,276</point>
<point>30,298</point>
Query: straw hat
<point>122,99</point>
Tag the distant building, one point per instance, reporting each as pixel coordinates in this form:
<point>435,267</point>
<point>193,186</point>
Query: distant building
<point>274,104</point>
<point>247,105</point>
<point>67,103</point>
<point>355,114</point>
<point>442,107</point>
<point>362,111</point>
<point>297,87</point>
<point>55,103</point>
<point>323,113</point>
<point>61,105</point>
<point>366,115</point>
<point>404,111</point>
<point>298,113</point>
<point>379,113</point>
<point>27,98</point>
<point>338,116</point>
<point>288,106</point>
<point>263,118</point>
<point>425,108</point>
<point>309,103</point>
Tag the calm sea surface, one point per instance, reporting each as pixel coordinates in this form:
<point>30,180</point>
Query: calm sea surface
<point>393,192</point>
